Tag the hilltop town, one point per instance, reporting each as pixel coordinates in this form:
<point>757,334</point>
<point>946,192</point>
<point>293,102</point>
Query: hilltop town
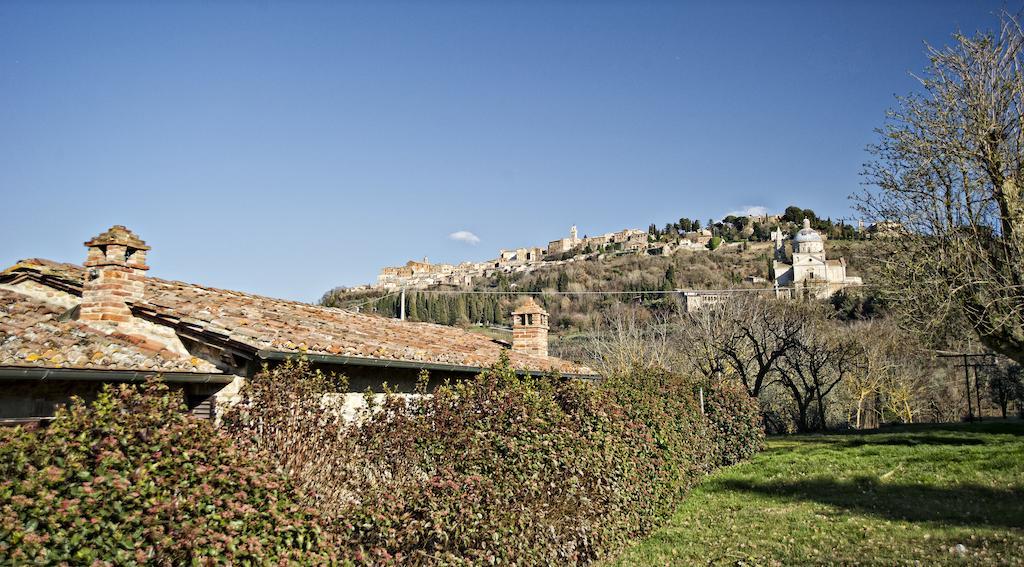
<point>793,254</point>
<point>806,266</point>
<point>419,274</point>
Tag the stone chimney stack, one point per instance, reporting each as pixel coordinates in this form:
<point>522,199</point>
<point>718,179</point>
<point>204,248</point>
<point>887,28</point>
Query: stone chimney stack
<point>115,276</point>
<point>530,329</point>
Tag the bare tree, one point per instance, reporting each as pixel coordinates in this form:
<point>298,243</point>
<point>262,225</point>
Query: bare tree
<point>627,340</point>
<point>891,373</point>
<point>745,336</point>
<point>948,173</point>
<point>866,383</point>
<point>905,392</point>
<point>824,356</point>
<point>1005,384</point>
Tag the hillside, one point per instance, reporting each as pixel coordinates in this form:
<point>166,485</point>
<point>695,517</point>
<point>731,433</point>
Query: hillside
<point>725,267</point>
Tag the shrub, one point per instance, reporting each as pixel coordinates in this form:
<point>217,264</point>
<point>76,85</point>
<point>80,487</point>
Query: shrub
<point>497,469</point>
<point>132,479</point>
<point>662,407</point>
<point>494,469</point>
<point>735,420</point>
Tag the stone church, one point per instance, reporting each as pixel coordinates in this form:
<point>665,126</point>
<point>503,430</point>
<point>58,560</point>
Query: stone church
<point>809,273</point>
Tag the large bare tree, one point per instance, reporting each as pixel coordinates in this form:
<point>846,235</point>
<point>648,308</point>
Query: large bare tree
<point>825,355</point>
<point>745,336</point>
<point>948,175</point>
<point>879,344</point>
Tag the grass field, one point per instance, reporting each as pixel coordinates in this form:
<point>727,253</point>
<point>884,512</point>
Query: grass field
<point>918,495</point>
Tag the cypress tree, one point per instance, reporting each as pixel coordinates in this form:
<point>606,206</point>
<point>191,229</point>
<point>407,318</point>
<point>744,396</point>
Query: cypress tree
<point>562,282</point>
<point>460,314</point>
<point>411,310</point>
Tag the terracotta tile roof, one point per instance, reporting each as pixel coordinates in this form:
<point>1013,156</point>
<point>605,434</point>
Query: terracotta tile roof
<point>32,335</point>
<point>266,323</point>
<point>71,272</point>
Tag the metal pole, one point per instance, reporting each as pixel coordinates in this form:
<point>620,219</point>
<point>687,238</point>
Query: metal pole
<point>401,301</point>
<point>977,392</point>
<point>702,400</point>
<point>967,384</point>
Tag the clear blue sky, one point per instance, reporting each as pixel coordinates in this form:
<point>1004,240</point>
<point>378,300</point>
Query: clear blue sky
<point>288,148</point>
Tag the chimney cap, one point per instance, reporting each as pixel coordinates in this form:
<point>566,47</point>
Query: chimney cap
<point>118,234</point>
<point>529,306</point>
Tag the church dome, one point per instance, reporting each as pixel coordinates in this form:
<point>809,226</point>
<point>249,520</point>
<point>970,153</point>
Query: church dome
<point>807,234</point>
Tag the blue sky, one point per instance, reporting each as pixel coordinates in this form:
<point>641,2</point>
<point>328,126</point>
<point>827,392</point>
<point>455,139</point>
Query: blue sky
<point>286,148</point>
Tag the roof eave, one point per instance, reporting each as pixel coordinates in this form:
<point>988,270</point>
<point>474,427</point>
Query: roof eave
<point>268,354</point>
<point>95,375</point>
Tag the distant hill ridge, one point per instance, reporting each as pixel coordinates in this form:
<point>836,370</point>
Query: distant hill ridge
<point>733,262</point>
<point>684,234</point>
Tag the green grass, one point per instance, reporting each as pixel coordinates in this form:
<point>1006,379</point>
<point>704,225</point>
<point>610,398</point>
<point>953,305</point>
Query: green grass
<point>905,495</point>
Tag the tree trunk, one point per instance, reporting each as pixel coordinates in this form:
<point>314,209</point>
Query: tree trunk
<point>802,424</point>
<point>821,408</point>
<point>803,406</point>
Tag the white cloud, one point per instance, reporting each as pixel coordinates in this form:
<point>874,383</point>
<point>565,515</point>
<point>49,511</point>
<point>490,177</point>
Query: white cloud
<point>750,211</point>
<point>465,236</point>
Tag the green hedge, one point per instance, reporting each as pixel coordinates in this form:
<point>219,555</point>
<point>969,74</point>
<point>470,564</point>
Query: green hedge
<point>131,479</point>
<point>497,469</point>
<point>500,469</point>
<point>736,422</point>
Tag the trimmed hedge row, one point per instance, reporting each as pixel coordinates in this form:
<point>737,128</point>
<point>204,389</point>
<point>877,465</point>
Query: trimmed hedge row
<point>130,479</point>
<point>498,469</point>
<point>736,422</point>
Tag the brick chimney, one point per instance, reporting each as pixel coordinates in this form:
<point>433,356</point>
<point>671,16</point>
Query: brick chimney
<point>115,276</point>
<point>530,329</point>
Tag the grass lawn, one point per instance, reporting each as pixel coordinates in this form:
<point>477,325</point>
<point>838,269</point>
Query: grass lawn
<point>908,495</point>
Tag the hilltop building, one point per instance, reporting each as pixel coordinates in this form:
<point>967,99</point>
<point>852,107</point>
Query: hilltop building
<point>700,237</point>
<point>695,300</point>
<point>810,273</point>
<point>563,245</point>
<point>627,239</point>
<point>519,256</point>
<point>885,229</point>
<point>422,274</point>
